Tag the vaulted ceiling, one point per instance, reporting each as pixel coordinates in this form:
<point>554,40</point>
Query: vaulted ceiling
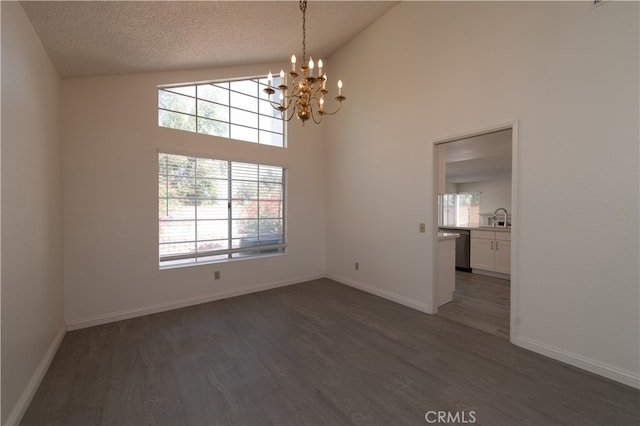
<point>89,38</point>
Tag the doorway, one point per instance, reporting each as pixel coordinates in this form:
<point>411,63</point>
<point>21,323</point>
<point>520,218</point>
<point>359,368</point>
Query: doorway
<point>480,166</point>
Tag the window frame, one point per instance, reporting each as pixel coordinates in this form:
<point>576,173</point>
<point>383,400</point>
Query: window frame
<point>458,205</point>
<point>260,97</point>
<point>198,257</point>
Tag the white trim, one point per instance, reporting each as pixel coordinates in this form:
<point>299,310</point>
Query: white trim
<point>223,261</point>
<point>480,132</point>
<point>436,170</point>
<point>210,156</point>
<point>610,372</point>
<point>515,232</point>
<point>148,310</point>
<point>411,303</point>
<point>32,387</point>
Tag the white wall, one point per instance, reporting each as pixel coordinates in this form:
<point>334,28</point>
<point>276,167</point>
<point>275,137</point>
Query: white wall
<point>32,293</point>
<point>495,193</point>
<point>110,141</point>
<point>568,72</point>
<point>451,188</point>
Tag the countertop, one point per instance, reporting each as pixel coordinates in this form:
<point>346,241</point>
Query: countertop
<point>478,228</point>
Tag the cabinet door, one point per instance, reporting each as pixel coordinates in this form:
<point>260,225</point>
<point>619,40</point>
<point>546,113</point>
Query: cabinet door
<point>482,254</point>
<point>503,257</point>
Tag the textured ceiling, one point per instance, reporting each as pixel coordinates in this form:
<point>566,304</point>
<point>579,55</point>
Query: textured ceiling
<point>89,38</point>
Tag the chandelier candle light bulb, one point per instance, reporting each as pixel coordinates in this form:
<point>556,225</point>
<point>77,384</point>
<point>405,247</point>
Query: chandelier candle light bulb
<point>283,79</point>
<point>306,97</point>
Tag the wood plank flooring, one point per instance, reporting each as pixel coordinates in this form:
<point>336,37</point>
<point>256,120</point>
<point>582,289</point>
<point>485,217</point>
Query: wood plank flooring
<point>480,302</point>
<point>316,353</point>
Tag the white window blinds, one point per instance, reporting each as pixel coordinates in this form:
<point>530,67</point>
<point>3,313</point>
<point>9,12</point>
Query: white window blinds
<point>212,210</point>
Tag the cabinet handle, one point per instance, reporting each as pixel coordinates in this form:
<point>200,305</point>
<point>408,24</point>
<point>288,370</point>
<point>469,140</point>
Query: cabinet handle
<point>491,245</point>
<point>497,245</point>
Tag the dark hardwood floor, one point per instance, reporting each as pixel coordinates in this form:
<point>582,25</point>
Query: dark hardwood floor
<point>480,302</point>
<point>317,353</point>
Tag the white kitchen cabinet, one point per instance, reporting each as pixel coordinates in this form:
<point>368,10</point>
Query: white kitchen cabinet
<point>482,256</point>
<point>502,255</point>
<point>491,251</point>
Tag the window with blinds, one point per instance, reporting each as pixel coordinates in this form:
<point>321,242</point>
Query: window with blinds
<point>213,210</point>
<point>236,109</point>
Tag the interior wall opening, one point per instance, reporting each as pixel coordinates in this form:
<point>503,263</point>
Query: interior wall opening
<point>475,199</point>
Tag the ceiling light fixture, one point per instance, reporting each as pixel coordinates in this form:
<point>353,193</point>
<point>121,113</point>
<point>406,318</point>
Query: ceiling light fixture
<point>306,97</point>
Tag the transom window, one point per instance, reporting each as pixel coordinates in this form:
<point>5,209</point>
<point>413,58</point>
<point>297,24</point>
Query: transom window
<point>236,109</point>
<point>212,210</point>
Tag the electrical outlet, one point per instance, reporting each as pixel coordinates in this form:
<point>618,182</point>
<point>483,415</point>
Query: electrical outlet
<point>357,266</point>
<point>216,275</point>
<point>423,228</point>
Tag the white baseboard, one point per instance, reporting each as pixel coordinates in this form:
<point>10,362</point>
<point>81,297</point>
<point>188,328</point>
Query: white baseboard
<point>154,309</point>
<point>592,366</point>
<point>32,387</point>
<point>411,303</point>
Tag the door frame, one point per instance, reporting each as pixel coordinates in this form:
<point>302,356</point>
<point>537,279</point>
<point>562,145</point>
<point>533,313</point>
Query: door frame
<point>514,214</point>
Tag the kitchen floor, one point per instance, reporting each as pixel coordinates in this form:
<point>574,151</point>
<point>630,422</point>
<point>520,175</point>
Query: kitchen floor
<point>480,302</point>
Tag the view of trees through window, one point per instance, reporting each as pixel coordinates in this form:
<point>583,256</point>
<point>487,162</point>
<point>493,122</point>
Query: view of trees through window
<point>236,109</point>
<point>212,209</point>
<point>459,209</point>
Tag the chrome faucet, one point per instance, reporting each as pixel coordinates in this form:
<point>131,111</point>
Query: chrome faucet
<point>495,216</point>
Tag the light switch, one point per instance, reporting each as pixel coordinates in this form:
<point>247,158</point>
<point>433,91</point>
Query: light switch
<point>423,228</point>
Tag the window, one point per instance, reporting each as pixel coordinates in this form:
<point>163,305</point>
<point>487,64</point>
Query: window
<point>211,210</point>
<point>459,209</point>
<point>230,109</point>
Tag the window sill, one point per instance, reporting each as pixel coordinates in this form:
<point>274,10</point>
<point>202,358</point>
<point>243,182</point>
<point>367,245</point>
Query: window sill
<point>232,260</point>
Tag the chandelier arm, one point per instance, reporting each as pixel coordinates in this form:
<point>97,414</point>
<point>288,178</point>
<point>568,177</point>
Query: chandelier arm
<point>313,116</point>
<point>316,98</point>
<point>334,112</point>
<point>295,92</point>
<point>274,104</point>
<point>283,114</point>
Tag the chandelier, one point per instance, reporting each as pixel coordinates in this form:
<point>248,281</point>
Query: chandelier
<point>305,98</point>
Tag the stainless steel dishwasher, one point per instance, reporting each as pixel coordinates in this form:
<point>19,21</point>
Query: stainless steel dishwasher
<point>463,248</point>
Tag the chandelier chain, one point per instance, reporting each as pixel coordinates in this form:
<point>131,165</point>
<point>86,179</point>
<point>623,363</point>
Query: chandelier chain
<point>303,8</point>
